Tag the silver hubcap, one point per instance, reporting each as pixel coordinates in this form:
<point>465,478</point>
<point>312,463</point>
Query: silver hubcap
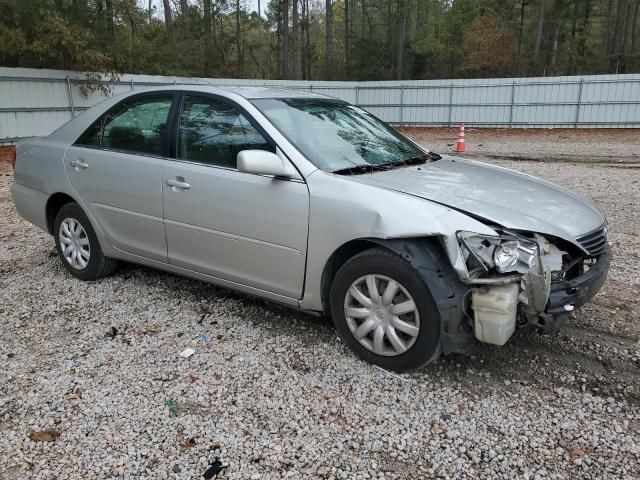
<point>382,315</point>
<point>74,244</point>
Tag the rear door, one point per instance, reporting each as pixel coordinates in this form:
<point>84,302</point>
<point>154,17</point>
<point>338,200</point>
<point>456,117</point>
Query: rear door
<point>244,228</point>
<point>116,168</point>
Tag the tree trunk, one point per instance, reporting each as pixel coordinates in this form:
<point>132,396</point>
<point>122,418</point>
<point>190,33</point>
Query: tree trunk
<point>279,40</point>
<point>585,28</point>
<point>295,43</point>
<point>539,32</point>
<point>303,44</point>
<point>620,36</point>
<point>634,26</point>
<point>308,52</point>
<point>150,9</point>
<point>554,49</point>
<point>608,33</point>
<point>259,11</point>
<point>347,38</point>
<point>401,25</point>
<point>556,25</point>
<point>111,28</point>
<point>363,16</point>
<point>184,6</point>
<point>390,25</point>
<point>523,4</point>
<point>208,37</point>
<point>238,40</point>
<point>168,17</point>
<point>285,40</point>
<point>328,39</point>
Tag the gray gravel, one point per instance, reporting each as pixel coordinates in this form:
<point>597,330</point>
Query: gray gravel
<point>594,145</point>
<point>271,393</point>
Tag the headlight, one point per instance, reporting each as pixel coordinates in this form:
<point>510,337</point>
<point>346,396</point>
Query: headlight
<point>505,256</point>
<point>505,253</point>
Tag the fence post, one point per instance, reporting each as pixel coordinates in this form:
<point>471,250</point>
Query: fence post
<point>513,101</point>
<point>73,110</point>
<point>132,87</point>
<point>450,104</point>
<point>402,105</point>
<point>357,95</point>
<point>579,103</point>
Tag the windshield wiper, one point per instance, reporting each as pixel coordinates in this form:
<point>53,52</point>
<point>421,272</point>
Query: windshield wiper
<point>368,167</point>
<point>359,168</point>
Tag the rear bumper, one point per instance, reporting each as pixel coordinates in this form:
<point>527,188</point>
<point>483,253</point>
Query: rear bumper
<point>31,204</point>
<point>580,290</point>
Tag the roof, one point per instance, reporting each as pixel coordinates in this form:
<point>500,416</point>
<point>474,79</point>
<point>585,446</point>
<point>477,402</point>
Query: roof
<point>245,92</point>
<point>71,130</point>
<point>271,92</point>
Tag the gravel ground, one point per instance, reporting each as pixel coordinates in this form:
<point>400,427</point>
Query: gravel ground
<point>596,145</point>
<point>271,393</point>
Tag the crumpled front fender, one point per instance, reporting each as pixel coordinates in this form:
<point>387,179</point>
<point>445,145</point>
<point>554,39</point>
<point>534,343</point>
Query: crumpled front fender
<point>341,211</point>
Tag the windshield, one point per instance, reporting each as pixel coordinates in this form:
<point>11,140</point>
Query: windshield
<point>335,135</point>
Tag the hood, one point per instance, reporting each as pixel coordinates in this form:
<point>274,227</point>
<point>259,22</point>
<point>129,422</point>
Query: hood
<point>511,199</point>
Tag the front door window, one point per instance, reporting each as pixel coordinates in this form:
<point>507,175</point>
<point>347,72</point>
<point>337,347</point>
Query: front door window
<point>213,132</point>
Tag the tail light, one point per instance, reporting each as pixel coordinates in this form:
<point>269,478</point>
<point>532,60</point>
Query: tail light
<point>12,158</point>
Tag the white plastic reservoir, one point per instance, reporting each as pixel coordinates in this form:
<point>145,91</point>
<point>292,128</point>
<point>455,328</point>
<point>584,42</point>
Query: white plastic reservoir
<point>495,313</point>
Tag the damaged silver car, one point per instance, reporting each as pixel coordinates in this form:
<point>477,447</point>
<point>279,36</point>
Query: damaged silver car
<point>314,203</point>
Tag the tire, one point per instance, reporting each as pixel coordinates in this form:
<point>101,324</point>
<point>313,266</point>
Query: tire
<point>72,227</point>
<point>415,348</point>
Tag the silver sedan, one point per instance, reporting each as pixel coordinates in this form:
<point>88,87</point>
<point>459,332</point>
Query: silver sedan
<point>315,203</point>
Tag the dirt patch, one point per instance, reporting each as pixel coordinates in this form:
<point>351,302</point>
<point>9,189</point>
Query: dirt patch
<point>6,152</point>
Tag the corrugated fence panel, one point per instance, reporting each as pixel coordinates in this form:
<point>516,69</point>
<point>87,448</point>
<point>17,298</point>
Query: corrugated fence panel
<point>36,102</point>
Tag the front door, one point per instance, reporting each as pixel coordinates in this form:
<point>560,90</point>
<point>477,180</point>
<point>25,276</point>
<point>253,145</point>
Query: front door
<point>116,168</point>
<point>244,228</point>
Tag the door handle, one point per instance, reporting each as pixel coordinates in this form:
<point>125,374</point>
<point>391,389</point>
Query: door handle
<point>79,164</point>
<point>178,184</point>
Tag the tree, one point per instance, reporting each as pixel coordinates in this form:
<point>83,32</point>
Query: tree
<point>330,39</point>
<point>328,22</point>
<point>487,50</point>
<point>285,40</point>
<point>238,39</point>
<point>295,44</point>
<point>347,38</point>
<point>166,5</point>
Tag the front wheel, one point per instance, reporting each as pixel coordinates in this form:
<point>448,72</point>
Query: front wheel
<point>384,311</point>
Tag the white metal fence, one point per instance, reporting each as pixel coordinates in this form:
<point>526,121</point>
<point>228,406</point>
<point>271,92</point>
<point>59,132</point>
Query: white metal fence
<point>36,102</point>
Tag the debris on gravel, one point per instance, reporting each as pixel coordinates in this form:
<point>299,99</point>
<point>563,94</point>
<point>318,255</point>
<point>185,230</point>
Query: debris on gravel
<point>272,393</point>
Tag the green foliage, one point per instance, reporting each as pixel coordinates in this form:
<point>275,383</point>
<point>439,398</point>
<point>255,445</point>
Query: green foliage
<point>386,39</point>
<point>172,406</point>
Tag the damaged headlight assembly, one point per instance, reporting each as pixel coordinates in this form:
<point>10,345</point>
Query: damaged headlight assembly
<point>507,253</point>
<point>490,259</point>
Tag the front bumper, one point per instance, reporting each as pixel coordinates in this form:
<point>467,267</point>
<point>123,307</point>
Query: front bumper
<point>574,293</point>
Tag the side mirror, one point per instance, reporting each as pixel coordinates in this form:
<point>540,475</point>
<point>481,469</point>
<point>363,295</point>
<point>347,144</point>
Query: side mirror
<point>261,162</point>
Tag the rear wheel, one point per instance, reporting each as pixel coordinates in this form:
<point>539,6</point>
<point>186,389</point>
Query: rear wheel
<point>77,245</point>
<point>384,311</point>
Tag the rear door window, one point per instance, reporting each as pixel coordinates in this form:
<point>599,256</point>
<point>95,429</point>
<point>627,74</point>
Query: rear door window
<point>138,126</point>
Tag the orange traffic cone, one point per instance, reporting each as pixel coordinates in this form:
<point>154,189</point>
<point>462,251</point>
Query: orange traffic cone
<point>460,142</point>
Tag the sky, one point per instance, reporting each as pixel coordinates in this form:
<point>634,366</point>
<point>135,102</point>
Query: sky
<point>251,5</point>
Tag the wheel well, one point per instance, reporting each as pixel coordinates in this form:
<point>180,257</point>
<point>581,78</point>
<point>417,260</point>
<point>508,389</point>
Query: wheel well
<point>54,204</point>
<point>337,259</point>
